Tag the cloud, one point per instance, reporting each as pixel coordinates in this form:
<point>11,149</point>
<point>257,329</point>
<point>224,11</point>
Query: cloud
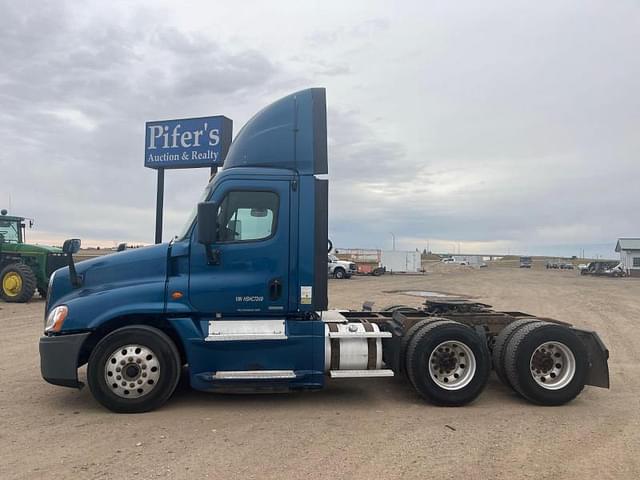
<point>496,126</point>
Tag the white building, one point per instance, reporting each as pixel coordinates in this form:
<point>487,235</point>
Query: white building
<point>629,249</point>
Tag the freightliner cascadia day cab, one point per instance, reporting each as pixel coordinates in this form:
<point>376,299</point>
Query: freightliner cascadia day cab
<point>238,301</point>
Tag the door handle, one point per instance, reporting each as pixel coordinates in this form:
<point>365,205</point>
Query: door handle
<point>275,289</point>
<point>213,255</point>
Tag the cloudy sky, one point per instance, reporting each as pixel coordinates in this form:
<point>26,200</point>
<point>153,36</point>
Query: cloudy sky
<point>480,126</point>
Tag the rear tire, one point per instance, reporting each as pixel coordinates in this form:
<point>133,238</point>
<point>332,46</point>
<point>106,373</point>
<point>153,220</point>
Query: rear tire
<point>499,348</point>
<point>546,363</point>
<point>448,363</point>
<point>17,283</point>
<point>148,376</point>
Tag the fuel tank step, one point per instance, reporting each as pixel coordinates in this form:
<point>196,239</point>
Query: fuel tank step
<point>361,373</point>
<point>359,335</point>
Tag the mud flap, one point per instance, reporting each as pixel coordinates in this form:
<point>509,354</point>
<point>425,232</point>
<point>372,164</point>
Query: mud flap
<point>598,375</point>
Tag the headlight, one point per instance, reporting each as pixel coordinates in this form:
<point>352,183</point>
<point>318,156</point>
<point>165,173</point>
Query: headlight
<point>56,319</point>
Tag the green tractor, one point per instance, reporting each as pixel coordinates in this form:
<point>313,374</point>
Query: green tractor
<point>24,268</point>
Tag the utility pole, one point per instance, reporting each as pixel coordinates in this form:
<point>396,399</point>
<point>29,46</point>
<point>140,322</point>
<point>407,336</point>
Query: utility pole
<point>393,237</point>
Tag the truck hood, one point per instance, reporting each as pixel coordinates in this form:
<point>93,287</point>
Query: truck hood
<point>111,271</point>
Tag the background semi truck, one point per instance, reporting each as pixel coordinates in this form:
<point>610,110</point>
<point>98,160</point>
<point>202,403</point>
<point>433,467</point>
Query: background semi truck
<point>239,300</point>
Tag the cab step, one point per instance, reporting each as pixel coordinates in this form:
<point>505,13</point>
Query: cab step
<point>254,375</point>
<point>361,373</point>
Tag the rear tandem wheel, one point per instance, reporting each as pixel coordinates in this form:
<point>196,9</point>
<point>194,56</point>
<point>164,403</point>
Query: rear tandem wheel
<point>448,363</point>
<point>546,363</point>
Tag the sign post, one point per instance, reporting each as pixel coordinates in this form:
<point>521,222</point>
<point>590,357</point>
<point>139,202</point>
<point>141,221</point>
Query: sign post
<point>159,205</point>
<point>184,143</point>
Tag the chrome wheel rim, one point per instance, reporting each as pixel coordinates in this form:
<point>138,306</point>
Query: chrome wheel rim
<point>552,365</point>
<point>132,371</point>
<point>452,365</point>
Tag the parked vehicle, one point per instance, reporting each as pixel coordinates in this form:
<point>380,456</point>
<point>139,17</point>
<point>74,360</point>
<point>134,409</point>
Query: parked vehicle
<point>525,262</point>
<point>604,268</point>
<point>24,267</point>
<point>249,313</point>
<point>340,268</point>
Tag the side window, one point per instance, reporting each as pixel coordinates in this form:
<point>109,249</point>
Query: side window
<point>247,216</point>
<point>636,261</point>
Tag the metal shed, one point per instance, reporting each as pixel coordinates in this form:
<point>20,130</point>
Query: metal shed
<point>629,249</point>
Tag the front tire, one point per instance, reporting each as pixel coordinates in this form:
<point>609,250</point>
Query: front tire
<point>546,363</point>
<point>134,369</point>
<point>17,283</point>
<point>339,273</point>
<point>448,363</point>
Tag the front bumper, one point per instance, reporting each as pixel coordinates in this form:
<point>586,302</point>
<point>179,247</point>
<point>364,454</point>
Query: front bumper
<point>59,359</point>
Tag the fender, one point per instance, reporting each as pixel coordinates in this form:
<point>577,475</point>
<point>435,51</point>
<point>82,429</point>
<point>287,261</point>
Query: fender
<point>90,310</point>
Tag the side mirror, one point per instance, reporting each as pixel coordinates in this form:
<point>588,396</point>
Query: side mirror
<point>71,246</point>
<point>207,222</point>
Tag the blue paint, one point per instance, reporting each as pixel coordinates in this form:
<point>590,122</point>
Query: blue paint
<point>187,143</point>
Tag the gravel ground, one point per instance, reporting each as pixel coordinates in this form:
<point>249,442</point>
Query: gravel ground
<point>375,428</point>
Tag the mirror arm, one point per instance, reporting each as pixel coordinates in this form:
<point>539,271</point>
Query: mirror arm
<point>76,281</point>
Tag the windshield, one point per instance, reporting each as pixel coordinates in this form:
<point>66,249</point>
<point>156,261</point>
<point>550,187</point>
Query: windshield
<point>10,231</point>
<point>184,231</point>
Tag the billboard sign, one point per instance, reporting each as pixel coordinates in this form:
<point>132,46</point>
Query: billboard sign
<point>187,142</point>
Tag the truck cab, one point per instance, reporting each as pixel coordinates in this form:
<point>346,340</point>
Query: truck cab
<point>237,305</point>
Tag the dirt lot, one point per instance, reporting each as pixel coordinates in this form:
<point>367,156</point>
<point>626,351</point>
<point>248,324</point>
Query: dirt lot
<point>353,429</point>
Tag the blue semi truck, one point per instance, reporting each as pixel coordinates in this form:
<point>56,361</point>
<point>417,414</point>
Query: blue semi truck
<point>238,301</point>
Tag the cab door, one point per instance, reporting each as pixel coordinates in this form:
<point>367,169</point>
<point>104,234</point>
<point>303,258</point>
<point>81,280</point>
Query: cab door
<point>246,272</point>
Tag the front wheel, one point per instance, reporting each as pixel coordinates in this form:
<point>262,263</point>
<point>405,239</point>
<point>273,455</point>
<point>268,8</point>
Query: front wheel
<point>339,273</point>
<point>134,369</point>
<point>448,363</point>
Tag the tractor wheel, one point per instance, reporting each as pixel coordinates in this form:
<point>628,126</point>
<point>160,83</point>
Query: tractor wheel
<point>546,363</point>
<point>448,363</point>
<point>17,283</point>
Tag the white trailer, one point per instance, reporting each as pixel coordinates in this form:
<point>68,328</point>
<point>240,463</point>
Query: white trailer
<point>398,261</point>
<point>473,260</point>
